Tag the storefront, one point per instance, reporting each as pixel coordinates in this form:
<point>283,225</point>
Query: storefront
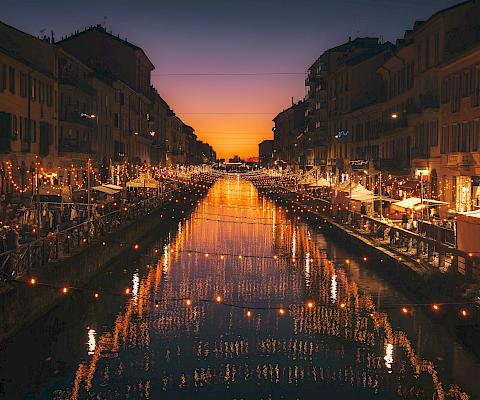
<point>463,200</point>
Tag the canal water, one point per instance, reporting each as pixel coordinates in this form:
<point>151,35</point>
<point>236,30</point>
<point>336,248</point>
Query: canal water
<point>239,301</point>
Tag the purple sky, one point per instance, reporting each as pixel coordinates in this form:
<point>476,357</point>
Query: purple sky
<point>227,37</point>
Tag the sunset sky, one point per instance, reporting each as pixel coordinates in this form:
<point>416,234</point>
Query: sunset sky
<point>229,42</point>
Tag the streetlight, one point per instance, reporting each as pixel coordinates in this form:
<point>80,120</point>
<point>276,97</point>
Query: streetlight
<point>394,115</point>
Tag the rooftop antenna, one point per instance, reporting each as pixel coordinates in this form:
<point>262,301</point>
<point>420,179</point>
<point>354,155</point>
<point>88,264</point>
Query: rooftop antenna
<point>105,22</point>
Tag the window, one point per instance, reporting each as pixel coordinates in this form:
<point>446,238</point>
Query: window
<point>437,48</point>
<point>427,53</point>
<point>34,132</point>
<point>475,100</point>
<point>41,92</point>
<point>11,77</point>
<point>466,83</point>
<point>23,84</point>
<point>33,93</point>
<point>443,144</point>
<point>3,82</point>
<point>49,94</point>
<point>476,135</point>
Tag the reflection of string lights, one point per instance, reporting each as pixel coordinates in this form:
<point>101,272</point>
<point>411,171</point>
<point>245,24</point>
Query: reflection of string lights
<point>351,317</point>
<point>219,300</point>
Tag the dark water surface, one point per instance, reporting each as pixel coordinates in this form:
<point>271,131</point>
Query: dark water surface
<point>152,344</point>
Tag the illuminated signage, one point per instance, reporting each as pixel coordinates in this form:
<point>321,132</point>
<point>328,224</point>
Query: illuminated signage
<point>359,164</point>
<point>342,134</point>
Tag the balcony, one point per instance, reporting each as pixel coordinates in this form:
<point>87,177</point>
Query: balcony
<point>420,152</point>
<point>392,165</point>
<point>424,102</point>
<point>78,83</point>
<point>75,117</point>
<point>460,160</point>
<point>75,148</point>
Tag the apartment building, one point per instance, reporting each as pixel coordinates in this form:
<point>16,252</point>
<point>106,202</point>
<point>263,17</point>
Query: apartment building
<point>28,102</point>
<point>288,131</point>
<point>130,68</point>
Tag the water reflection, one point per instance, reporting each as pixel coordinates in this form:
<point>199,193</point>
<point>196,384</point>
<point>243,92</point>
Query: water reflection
<point>171,348</point>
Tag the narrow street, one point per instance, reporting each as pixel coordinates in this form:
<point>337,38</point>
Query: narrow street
<point>239,300</point>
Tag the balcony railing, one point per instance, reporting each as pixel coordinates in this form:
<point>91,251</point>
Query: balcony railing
<point>420,152</point>
<point>424,102</point>
<point>71,147</point>
<point>75,117</point>
<point>78,83</point>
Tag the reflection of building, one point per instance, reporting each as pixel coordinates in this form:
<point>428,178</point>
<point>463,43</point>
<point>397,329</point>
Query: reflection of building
<point>265,153</point>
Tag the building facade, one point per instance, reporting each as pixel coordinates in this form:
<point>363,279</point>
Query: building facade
<point>288,131</point>
<point>86,99</point>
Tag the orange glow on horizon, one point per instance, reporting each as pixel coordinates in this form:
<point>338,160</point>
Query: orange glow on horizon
<point>233,114</point>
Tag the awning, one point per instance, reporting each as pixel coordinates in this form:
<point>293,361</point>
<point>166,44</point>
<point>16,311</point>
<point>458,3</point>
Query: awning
<point>364,197</point>
<point>114,187</point>
<point>473,214</point>
<point>412,202</point>
<point>322,182</point>
<point>105,190</point>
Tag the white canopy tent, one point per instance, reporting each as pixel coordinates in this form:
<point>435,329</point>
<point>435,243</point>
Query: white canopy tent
<point>322,182</point>
<point>468,231</point>
<point>413,202</point>
<point>114,187</point>
<point>144,181</point>
<point>105,189</point>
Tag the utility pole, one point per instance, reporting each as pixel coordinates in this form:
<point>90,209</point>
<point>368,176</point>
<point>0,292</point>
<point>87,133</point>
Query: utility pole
<point>421,194</point>
<point>380,193</point>
<point>88,189</point>
<point>37,190</point>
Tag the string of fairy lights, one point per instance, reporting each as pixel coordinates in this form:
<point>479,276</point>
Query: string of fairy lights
<point>464,308</point>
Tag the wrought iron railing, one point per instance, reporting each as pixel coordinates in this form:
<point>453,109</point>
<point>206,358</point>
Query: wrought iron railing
<point>31,256</point>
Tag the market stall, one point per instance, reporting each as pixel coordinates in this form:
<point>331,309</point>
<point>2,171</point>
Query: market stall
<point>468,232</point>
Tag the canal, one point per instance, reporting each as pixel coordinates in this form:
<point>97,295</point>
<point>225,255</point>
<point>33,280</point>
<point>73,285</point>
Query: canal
<point>239,300</point>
